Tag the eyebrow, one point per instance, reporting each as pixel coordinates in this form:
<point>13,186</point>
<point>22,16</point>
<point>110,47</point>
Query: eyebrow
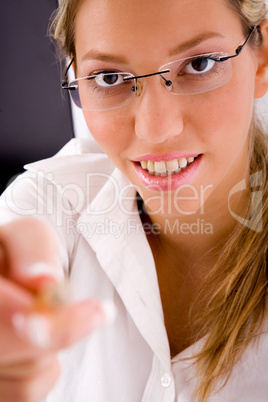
<point>194,42</point>
<point>107,57</point>
<point>97,55</point>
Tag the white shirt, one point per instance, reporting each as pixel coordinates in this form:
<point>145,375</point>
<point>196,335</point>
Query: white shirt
<point>105,253</point>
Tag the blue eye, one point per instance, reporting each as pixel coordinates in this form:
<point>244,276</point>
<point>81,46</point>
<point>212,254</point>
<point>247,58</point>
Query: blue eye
<point>109,79</point>
<point>199,65</point>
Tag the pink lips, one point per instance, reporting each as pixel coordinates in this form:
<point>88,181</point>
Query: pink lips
<point>169,183</point>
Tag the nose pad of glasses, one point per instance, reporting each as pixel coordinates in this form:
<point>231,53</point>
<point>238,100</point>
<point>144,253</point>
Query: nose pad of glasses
<point>137,87</point>
<point>167,83</point>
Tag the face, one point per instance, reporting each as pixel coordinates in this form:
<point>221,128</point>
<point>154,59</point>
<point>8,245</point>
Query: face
<point>212,127</point>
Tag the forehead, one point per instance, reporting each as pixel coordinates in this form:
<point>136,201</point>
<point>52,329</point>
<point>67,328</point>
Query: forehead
<point>131,26</point>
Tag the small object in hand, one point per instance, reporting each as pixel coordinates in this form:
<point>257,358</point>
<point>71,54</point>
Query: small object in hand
<point>53,296</point>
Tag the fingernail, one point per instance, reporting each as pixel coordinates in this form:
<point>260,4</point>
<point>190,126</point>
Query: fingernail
<point>43,268</point>
<point>35,328</point>
<point>109,310</point>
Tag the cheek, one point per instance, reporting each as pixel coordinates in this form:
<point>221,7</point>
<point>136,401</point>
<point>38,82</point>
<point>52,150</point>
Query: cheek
<point>239,100</point>
<point>227,114</point>
<point>110,130</point>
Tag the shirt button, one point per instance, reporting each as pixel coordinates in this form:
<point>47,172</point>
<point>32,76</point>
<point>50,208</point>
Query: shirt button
<point>166,380</point>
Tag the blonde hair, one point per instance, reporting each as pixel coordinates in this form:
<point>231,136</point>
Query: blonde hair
<point>62,26</point>
<point>235,311</point>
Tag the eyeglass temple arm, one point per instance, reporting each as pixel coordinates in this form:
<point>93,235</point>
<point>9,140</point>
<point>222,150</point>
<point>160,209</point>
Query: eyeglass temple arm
<point>239,49</point>
<point>64,82</point>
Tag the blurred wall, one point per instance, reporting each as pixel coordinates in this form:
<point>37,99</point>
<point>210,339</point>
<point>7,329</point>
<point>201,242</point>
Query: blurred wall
<point>35,116</point>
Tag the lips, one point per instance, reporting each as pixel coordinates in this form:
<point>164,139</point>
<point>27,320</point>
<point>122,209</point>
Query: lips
<point>166,173</point>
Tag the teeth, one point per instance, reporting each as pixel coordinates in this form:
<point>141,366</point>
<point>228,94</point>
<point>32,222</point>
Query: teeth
<point>172,165</point>
<point>144,164</point>
<point>162,168</point>
<point>182,162</point>
<point>150,166</point>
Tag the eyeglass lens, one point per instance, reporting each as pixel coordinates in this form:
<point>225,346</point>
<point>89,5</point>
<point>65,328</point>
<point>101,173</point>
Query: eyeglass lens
<point>189,76</point>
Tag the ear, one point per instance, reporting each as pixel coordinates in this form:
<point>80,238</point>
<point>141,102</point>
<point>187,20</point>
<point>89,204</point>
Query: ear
<point>261,78</point>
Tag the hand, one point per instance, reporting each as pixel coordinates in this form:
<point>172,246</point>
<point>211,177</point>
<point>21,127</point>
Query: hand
<point>32,327</point>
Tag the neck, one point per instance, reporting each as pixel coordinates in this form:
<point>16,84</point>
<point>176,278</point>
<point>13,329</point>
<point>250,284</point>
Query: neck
<point>195,236</point>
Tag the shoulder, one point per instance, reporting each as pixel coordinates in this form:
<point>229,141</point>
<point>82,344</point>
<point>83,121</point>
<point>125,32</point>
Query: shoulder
<point>73,167</point>
<point>77,157</point>
<point>70,179</point>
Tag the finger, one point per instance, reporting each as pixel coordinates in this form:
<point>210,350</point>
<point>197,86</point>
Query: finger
<point>27,368</point>
<point>54,331</point>
<point>87,317</point>
<point>13,299</point>
<point>29,252</point>
<point>17,302</point>
<point>32,388</point>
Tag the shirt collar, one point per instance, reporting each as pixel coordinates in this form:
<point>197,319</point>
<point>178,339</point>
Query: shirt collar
<point>111,225</point>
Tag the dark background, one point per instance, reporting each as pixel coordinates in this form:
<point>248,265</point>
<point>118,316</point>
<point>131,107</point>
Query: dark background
<point>35,116</point>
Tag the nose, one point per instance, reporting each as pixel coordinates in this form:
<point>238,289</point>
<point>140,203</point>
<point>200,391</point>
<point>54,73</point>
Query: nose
<point>158,113</point>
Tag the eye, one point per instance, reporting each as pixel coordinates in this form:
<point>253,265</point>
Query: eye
<point>199,65</point>
<point>108,79</point>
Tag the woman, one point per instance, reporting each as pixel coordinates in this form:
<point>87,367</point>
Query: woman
<point>167,90</point>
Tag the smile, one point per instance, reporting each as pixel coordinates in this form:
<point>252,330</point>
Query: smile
<point>167,168</point>
<point>167,174</point>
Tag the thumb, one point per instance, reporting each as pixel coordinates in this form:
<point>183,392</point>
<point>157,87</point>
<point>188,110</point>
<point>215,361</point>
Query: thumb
<point>29,253</point>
